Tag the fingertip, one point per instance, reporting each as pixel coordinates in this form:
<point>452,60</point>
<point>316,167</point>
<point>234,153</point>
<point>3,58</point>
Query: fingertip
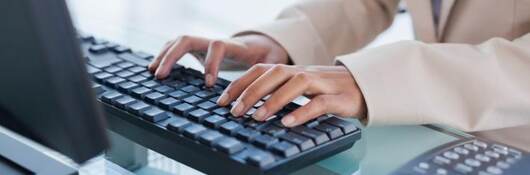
<point>210,80</point>
<point>159,74</point>
<point>289,120</point>
<point>223,99</point>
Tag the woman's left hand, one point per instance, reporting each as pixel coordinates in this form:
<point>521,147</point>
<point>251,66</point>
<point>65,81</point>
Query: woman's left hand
<point>332,89</point>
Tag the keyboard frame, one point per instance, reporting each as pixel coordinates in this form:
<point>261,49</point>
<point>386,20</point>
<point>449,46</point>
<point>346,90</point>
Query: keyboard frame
<point>149,135</point>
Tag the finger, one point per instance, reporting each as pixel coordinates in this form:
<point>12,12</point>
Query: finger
<point>154,65</point>
<point>294,88</point>
<point>183,45</point>
<point>316,107</point>
<point>262,86</point>
<point>237,86</point>
<point>216,53</point>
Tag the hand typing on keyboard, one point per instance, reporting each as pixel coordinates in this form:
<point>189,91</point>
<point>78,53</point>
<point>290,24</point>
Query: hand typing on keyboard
<point>249,49</point>
<point>332,89</point>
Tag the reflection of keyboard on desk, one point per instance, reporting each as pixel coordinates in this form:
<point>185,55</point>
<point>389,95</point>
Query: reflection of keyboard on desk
<point>178,117</point>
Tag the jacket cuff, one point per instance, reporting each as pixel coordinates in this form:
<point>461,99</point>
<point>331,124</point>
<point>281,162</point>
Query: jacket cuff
<point>383,89</point>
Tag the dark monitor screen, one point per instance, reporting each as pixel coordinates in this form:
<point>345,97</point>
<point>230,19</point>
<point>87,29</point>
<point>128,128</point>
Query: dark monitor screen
<point>45,93</point>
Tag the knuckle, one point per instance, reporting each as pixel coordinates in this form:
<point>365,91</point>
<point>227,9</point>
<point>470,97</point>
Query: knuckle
<point>321,101</point>
<point>258,67</point>
<point>217,44</point>
<point>279,69</point>
<point>183,38</point>
<point>303,76</point>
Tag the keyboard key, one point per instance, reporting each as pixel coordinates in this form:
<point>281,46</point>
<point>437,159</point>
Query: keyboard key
<point>215,98</point>
<point>209,137</point>
<point>317,136</point>
<point>137,78</point>
<point>311,123</point>
<point>229,145</point>
<point>178,124</point>
<point>109,96</point>
<point>178,94</point>
<point>222,82</point>
<point>111,45</point>
<point>190,89</point>
<point>153,97</point>
<point>164,89</point>
<point>133,58</point>
<point>98,49</point>
<point>140,91</point>
<point>204,94</point>
<point>285,149</point>
<point>247,134</point>
<point>183,109</point>
<point>167,103</point>
<point>214,121</point>
<point>192,99</point>
<point>193,130</point>
<point>147,74</point>
<point>137,69</point>
<point>302,142</point>
<point>97,41</point>
<point>207,105</point>
<point>273,130</point>
<point>127,86</point>
<point>332,131</point>
<point>125,65</point>
<point>222,111</point>
<point>138,107</point>
<point>230,127</point>
<point>258,104</point>
<point>101,76</point>
<point>98,89</point>
<point>237,119</point>
<point>123,101</point>
<point>151,84</point>
<point>345,126</point>
<point>155,115</point>
<point>121,49</point>
<point>197,82</point>
<point>250,111</point>
<point>461,168</point>
<point>265,141</point>
<point>198,115</point>
<point>125,74</point>
<point>92,69</point>
<point>143,55</point>
<point>114,81</point>
<point>113,69</point>
<point>104,62</point>
<point>251,123</point>
<point>260,158</point>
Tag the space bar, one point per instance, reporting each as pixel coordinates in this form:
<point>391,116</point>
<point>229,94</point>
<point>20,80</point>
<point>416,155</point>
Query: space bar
<point>132,58</point>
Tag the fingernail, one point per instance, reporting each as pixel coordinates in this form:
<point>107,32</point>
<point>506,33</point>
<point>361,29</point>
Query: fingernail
<point>209,79</point>
<point>260,113</point>
<point>223,99</point>
<point>288,120</point>
<point>238,109</point>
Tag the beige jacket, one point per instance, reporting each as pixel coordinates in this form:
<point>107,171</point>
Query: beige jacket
<point>472,72</point>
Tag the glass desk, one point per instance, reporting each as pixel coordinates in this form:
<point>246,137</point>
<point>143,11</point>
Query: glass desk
<point>147,25</point>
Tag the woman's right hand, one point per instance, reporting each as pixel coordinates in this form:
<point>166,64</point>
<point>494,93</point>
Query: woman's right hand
<point>248,49</point>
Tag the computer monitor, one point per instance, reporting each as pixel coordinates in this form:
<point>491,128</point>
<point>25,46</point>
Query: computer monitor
<point>45,94</point>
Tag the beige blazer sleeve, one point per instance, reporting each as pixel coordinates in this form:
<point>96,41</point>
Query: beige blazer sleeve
<point>315,31</point>
<point>470,87</point>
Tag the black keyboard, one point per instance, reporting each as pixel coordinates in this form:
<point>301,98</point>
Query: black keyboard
<point>178,117</point>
